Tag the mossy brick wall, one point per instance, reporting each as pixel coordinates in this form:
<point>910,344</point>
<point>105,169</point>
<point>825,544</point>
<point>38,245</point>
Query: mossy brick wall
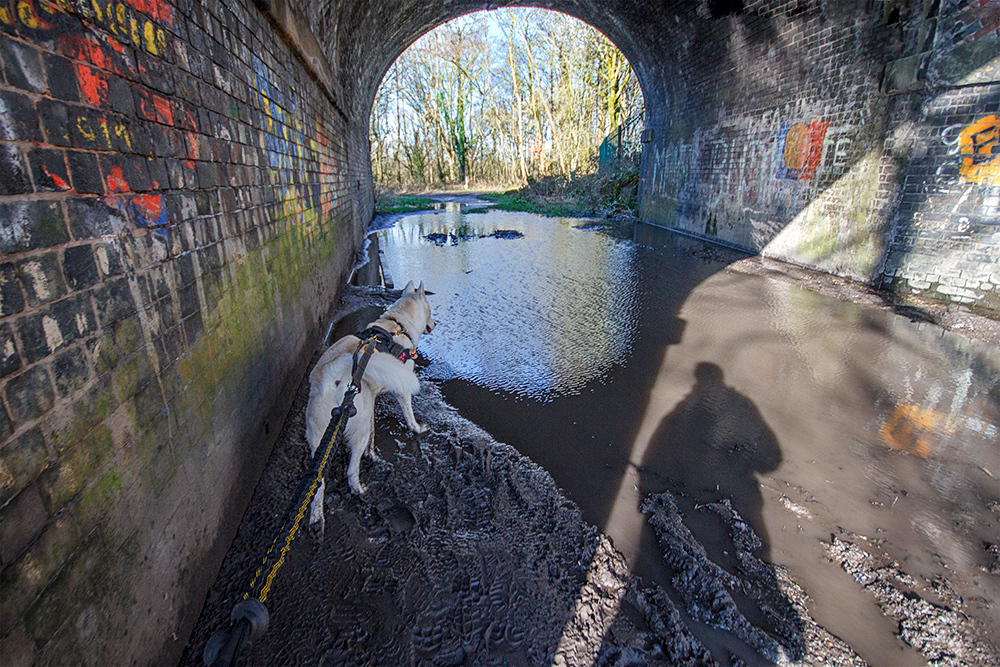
<point>181,198</point>
<point>183,185</point>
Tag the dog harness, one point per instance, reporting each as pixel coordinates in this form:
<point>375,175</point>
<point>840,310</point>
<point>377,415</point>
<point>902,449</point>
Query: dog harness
<point>385,343</point>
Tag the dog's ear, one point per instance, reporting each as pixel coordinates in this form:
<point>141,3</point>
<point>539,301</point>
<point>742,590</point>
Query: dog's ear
<point>420,290</point>
<point>408,290</point>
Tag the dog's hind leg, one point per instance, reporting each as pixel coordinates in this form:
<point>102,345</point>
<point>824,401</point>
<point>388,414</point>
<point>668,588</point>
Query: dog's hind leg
<point>371,451</point>
<point>359,438</point>
<point>314,432</point>
<point>317,521</point>
<point>406,403</point>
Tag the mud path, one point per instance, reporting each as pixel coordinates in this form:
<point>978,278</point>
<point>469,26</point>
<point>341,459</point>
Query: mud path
<point>463,551</point>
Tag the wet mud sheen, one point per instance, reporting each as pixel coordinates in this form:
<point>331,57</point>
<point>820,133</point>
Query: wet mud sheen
<point>669,513</point>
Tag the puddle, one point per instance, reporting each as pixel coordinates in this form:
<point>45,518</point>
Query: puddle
<point>630,367</point>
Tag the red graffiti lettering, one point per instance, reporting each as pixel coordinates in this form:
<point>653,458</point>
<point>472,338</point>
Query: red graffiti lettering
<point>158,9</point>
<point>164,111</point>
<point>151,206</point>
<point>116,181</point>
<point>93,84</point>
<point>56,179</point>
<point>192,145</point>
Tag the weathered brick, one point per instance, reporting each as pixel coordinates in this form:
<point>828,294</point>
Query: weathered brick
<point>79,267</point>
<point>22,66</point>
<point>62,78</point>
<point>114,301</point>
<point>11,296</point>
<point>42,278</point>
<point>47,556</point>
<point>30,225</point>
<point>92,217</point>
<point>6,426</point>
<point>17,649</point>
<point>55,122</point>
<point>70,371</point>
<point>89,409</point>
<point>48,169</point>
<point>120,95</point>
<point>132,374</point>
<point>124,173</point>
<point>56,326</point>
<point>86,175</point>
<point>21,461</point>
<point>10,360</point>
<point>18,120</point>
<point>89,129</point>
<point>109,259</point>
<point>21,521</point>
<point>14,179</point>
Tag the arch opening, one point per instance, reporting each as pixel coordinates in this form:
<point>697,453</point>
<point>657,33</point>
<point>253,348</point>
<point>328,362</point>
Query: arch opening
<point>501,97</point>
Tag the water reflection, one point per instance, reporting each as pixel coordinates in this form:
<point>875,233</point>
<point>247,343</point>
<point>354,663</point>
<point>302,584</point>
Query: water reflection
<point>626,366</point>
<point>548,310</point>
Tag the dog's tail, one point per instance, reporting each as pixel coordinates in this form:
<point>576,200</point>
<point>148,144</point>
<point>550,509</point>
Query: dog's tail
<point>389,373</point>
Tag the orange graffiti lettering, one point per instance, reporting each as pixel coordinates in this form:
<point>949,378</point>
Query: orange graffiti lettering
<point>164,111</point>
<point>801,150</point>
<point>980,150</point>
<point>56,179</point>
<point>192,142</point>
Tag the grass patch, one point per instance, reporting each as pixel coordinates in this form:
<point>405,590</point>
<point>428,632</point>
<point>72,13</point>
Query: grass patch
<point>478,209</point>
<point>525,200</point>
<point>403,204</point>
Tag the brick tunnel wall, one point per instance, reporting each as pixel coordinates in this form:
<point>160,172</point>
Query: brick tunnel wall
<point>183,184</point>
<point>858,138</point>
<point>180,202</point>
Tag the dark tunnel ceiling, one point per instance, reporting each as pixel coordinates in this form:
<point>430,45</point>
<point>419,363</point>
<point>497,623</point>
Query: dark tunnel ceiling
<point>362,38</point>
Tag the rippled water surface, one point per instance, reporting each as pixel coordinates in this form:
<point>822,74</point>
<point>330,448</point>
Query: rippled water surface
<point>626,366</point>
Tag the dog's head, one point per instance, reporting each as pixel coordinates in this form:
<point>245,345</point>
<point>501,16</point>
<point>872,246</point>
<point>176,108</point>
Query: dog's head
<point>417,307</point>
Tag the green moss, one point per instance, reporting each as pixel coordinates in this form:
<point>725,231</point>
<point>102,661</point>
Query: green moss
<point>94,505</point>
<point>132,375</point>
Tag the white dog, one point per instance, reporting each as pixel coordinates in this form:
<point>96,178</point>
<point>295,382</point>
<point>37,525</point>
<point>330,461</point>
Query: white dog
<point>405,320</point>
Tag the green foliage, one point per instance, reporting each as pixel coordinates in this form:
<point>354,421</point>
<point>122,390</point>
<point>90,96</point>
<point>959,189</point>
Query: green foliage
<point>403,204</point>
<point>606,195</point>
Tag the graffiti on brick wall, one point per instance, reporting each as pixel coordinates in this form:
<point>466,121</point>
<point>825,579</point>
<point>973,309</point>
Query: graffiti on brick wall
<point>136,23</point>
<point>800,150</point>
<point>975,149</point>
<point>740,170</point>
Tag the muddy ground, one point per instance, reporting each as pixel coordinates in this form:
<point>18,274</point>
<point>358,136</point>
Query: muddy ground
<point>465,552</point>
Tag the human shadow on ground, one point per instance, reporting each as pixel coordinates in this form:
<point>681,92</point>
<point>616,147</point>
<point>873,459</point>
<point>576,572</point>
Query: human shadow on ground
<point>706,455</point>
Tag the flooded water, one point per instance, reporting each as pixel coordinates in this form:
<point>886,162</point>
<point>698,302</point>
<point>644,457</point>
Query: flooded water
<point>633,365</point>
